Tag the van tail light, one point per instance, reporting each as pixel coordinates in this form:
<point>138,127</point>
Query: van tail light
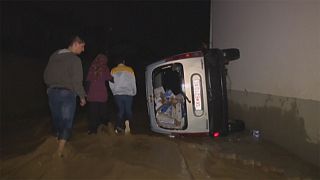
<point>184,56</point>
<point>215,134</point>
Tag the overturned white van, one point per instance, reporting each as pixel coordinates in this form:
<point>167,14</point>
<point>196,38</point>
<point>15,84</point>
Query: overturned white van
<point>186,93</point>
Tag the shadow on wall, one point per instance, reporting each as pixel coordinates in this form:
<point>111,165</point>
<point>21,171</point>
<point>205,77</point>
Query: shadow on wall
<point>281,125</point>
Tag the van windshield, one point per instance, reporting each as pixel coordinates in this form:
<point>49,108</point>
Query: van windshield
<point>169,98</point>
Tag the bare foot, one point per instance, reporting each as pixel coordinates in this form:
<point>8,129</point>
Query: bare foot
<point>127,129</point>
<point>57,155</point>
<point>61,144</point>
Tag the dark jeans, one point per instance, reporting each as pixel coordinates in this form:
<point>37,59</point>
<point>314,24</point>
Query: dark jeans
<point>124,104</point>
<point>97,115</point>
<point>62,104</point>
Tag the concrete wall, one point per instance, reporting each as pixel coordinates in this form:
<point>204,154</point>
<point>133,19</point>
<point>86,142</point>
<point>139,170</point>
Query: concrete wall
<point>275,86</point>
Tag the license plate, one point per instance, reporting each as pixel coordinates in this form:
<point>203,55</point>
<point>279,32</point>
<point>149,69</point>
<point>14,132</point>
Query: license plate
<point>197,92</point>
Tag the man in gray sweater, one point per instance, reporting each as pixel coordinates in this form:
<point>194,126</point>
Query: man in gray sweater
<point>63,76</point>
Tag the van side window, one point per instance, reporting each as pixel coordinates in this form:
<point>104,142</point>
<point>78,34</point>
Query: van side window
<point>172,81</point>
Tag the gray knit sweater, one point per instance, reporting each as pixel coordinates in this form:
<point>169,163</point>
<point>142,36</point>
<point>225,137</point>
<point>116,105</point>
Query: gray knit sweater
<point>64,69</point>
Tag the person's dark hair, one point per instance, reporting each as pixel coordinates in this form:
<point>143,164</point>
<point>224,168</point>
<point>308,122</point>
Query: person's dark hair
<point>119,60</point>
<point>75,39</point>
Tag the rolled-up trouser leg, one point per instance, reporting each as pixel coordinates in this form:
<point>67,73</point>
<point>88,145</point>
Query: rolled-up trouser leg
<point>68,110</point>
<point>55,110</point>
<point>128,108</point>
<point>62,105</point>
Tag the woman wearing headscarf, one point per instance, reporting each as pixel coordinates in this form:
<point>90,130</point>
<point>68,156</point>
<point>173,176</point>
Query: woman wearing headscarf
<point>97,93</point>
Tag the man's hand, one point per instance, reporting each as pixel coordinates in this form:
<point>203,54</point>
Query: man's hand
<point>82,101</point>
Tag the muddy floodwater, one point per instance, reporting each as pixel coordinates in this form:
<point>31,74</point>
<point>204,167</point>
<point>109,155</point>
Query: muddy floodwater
<point>145,155</point>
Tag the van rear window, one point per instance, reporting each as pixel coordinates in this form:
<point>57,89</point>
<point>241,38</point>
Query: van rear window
<point>169,96</point>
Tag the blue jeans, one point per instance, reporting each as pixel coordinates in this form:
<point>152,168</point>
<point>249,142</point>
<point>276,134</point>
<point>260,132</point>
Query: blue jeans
<point>124,104</point>
<point>62,104</point>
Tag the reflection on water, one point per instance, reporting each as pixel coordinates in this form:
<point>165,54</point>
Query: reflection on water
<point>149,155</point>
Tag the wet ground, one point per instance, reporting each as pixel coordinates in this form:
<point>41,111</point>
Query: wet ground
<point>145,155</point>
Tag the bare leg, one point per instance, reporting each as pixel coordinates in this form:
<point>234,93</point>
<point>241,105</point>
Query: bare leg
<point>127,130</point>
<point>61,145</point>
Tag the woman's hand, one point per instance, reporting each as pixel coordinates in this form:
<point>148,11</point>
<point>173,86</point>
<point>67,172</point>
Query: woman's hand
<point>82,101</point>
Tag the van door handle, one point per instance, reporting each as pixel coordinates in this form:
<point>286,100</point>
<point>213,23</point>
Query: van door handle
<point>186,97</point>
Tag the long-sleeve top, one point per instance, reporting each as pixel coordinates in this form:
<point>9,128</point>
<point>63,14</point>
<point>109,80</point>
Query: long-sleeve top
<point>97,76</point>
<point>124,81</point>
<point>64,69</point>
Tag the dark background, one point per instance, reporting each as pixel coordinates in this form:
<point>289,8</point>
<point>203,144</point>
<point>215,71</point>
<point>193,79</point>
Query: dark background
<point>141,31</point>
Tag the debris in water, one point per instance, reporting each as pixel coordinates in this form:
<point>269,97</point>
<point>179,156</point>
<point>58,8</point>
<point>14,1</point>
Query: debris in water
<point>172,136</point>
<point>256,133</point>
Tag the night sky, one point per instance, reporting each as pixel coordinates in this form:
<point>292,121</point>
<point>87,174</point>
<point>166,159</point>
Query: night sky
<point>141,31</point>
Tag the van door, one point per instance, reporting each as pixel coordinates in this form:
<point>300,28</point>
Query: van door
<point>166,97</point>
<point>177,97</point>
<point>149,95</point>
